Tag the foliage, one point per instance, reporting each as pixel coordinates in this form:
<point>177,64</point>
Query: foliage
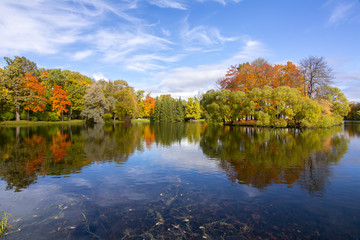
<point>354,113</point>
<point>36,100</point>
<point>260,73</point>
<point>126,101</point>
<point>95,104</point>
<point>276,107</point>
<point>59,100</point>
<point>148,106</point>
<point>4,224</point>
<point>192,109</point>
<point>168,109</point>
<point>12,79</point>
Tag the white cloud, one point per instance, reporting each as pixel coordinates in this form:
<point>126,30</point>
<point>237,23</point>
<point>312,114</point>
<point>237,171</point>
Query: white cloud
<point>252,50</point>
<point>99,76</point>
<point>116,46</point>
<point>189,81</point>
<point>82,55</point>
<point>349,83</point>
<point>169,4</point>
<point>223,2</point>
<point>202,37</point>
<point>46,26</point>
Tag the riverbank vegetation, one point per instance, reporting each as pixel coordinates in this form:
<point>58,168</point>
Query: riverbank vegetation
<point>277,95</point>
<point>256,93</point>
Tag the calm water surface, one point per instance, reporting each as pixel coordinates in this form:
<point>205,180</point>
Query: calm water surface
<point>180,181</point>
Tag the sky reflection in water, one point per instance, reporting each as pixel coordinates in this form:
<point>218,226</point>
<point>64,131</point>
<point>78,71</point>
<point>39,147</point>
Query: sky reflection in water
<point>187,181</point>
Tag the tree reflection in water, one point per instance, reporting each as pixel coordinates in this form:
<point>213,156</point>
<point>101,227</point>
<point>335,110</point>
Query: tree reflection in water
<point>262,157</point>
<point>252,156</point>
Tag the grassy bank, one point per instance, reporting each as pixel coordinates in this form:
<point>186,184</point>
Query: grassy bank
<point>36,123</point>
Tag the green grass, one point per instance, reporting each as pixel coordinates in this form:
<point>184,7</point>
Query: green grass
<point>33,123</point>
<point>4,225</point>
<point>140,121</point>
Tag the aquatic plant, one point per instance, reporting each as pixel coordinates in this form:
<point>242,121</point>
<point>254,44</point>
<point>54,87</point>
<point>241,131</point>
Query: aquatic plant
<point>4,225</point>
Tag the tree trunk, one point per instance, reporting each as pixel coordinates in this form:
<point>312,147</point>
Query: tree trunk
<point>70,112</point>
<point>17,113</point>
<point>28,115</point>
<point>62,116</point>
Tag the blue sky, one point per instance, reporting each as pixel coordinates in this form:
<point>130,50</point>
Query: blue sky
<point>181,47</point>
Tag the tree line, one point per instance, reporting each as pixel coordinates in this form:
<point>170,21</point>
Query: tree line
<point>277,95</point>
<point>256,92</point>
<point>27,92</point>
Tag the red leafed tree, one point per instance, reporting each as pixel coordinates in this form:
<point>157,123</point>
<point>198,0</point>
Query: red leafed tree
<point>36,100</point>
<point>59,101</point>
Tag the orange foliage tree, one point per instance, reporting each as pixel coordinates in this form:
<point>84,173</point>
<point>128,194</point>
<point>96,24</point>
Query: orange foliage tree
<point>36,100</point>
<point>148,105</point>
<point>59,101</point>
<point>260,73</point>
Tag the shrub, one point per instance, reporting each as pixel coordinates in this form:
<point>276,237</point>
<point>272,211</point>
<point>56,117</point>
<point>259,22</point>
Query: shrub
<point>107,116</point>
<point>279,123</point>
<point>23,115</point>
<point>8,116</point>
<point>263,119</point>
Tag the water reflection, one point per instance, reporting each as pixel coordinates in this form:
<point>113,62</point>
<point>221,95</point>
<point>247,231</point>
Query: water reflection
<point>256,157</point>
<point>262,157</point>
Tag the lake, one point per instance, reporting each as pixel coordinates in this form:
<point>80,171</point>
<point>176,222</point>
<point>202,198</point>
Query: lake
<point>180,181</point>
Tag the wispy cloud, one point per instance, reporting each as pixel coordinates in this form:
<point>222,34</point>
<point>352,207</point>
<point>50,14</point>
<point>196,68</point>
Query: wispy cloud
<point>137,50</point>
<point>177,4</point>
<point>46,26</point>
<point>189,81</point>
<point>340,12</point>
<point>82,54</point>
<point>223,2</point>
<point>202,37</point>
<point>349,85</point>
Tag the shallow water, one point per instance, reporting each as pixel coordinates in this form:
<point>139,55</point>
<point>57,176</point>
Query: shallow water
<point>180,181</point>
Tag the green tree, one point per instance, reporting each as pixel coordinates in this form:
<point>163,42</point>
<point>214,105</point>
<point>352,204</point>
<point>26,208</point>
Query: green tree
<point>192,110</point>
<point>75,84</point>
<point>95,104</point>
<point>127,103</point>
<point>12,79</point>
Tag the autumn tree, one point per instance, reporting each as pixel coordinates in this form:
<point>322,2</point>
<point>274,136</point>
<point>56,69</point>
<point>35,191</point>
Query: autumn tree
<point>59,101</point>
<point>260,73</point>
<point>316,74</point>
<point>192,110</point>
<point>36,100</point>
<point>148,106</point>
<point>126,101</point>
<point>12,79</point>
